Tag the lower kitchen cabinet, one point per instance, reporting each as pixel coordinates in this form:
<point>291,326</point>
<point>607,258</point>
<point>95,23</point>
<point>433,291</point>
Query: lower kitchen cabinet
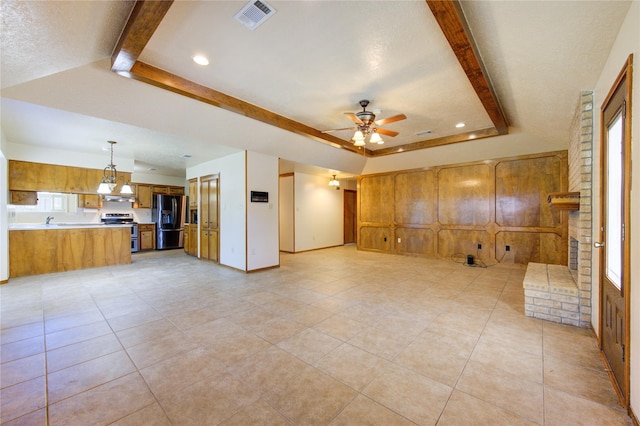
<point>209,245</point>
<point>193,239</point>
<point>147,236</point>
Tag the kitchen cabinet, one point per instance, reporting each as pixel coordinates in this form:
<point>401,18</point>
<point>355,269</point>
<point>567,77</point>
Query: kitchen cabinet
<point>147,236</point>
<point>193,239</point>
<point>24,198</point>
<point>185,238</point>
<point>176,190</point>
<point>65,248</point>
<point>193,194</point>
<point>160,189</point>
<point>143,196</point>
<point>28,176</point>
<point>209,218</point>
<point>90,201</point>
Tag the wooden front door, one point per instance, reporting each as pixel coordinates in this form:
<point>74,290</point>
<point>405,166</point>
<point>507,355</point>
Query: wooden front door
<point>615,178</point>
<point>349,216</point>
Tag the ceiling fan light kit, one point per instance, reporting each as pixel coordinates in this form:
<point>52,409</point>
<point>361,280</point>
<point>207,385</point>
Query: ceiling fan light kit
<point>367,126</point>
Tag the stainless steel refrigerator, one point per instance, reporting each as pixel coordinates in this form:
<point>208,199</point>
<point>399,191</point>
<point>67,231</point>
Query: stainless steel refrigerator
<point>168,214</point>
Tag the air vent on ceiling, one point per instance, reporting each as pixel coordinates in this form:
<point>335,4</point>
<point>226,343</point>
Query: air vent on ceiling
<point>254,13</point>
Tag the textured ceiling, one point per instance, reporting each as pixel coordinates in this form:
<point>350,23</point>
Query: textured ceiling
<point>311,61</point>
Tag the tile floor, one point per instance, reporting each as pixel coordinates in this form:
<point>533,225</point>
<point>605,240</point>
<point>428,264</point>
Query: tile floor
<point>333,336</point>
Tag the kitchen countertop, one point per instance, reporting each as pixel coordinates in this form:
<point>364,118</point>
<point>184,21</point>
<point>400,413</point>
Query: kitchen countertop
<point>61,225</point>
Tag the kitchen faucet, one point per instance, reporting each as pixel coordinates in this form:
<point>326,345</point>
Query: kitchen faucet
<point>49,219</point>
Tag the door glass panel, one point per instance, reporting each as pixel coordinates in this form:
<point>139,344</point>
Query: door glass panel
<point>614,202</point>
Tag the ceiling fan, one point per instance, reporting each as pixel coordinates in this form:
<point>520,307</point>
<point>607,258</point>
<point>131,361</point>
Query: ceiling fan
<point>367,126</point>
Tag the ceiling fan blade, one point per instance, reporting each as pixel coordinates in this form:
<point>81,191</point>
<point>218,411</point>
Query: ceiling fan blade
<point>354,118</point>
<point>392,119</point>
<point>386,132</point>
<point>338,130</point>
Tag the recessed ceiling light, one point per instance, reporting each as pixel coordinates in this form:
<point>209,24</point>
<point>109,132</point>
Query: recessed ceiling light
<point>200,60</point>
<point>459,125</point>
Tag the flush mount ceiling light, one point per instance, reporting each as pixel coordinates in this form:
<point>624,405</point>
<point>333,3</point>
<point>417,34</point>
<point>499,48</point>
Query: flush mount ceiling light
<point>110,178</point>
<point>200,60</point>
<point>460,125</point>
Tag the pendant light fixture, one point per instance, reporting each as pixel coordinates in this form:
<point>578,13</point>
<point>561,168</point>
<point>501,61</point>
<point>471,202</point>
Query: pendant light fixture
<point>334,182</point>
<point>110,178</point>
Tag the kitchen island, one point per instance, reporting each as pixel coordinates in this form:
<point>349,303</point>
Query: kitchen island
<point>41,249</point>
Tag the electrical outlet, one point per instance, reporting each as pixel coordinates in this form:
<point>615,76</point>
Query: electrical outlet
<point>479,246</point>
<point>508,248</point>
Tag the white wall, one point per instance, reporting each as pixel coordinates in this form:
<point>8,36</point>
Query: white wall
<point>318,213</point>
<point>286,213</point>
<point>627,42</point>
<point>4,215</point>
<point>262,218</point>
<point>232,203</point>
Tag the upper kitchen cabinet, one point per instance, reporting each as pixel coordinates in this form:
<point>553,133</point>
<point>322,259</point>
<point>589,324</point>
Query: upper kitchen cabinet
<point>90,201</point>
<point>143,196</point>
<point>193,194</point>
<point>25,198</point>
<point>28,176</point>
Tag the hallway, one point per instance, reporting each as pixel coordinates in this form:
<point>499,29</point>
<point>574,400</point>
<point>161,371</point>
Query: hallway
<point>334,336</point>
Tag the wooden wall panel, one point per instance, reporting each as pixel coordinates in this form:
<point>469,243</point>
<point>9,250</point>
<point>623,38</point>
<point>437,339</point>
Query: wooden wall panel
<point>460,241</point>
<point>375,238</point>
<point>539,247</point>
<point>376,199</point>
<point>446,210</point>
<point>415,197</point>
<point>465,195</point>
<point>415,241</point>
<point>522,187</point>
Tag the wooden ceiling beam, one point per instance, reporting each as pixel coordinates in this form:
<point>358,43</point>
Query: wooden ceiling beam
<point>143,21</point>
<point>450,17</point>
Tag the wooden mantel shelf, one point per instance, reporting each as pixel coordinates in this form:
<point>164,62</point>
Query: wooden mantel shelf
<point>564,200</point>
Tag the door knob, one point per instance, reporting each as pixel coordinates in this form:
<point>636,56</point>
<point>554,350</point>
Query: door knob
<point>598,245</point>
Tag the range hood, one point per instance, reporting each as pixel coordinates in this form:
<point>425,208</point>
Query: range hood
<point>120,198</point>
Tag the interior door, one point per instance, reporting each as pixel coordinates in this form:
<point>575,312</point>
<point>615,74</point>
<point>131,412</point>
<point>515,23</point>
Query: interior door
<point>614,223</point>
<point>349,216</point>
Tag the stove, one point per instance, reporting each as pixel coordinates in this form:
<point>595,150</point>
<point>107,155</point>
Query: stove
<point>123,219</point>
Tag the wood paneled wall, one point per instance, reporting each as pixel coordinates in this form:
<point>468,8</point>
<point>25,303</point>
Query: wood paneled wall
<point>448,210</point>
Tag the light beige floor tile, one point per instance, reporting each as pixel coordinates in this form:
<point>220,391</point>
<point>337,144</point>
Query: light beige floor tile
<point>508,358</point>
<point>27,331</point>
<point>340,327</point>
<point>268,370</point>
<point>505,390</point>
<point>209,401</point>
<point>102,404</point>
<point>134,319</point>
<point>257,413</point>
<point>594,385</point>
<point>21,399</point>
<point>70,321</point>
<point>146,332</point>
<point>311,398</point>
<point>211,332</point>
<point>309,315</point>
<point>309,345</point>
<point>156,350</point>
<point>365,412</point>
<point>463,409</point>
<point>73,335</point>
<point>151,415</point>
<point>252,319</point>
<point>441,357</point>
<point>182,370</point>
<point>411,395</point>
<point>35,418</point>
<point>379,342</point>
<point>22,348</point>
<point>21,370</point>
<point>77,353</point>
<point>278,329</point>
<point>352,366</point>
<point>563,409</point>
<point>81,377</point>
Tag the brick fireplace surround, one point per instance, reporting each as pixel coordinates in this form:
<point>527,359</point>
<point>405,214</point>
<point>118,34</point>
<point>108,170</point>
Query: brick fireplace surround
<point>563,293</point>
